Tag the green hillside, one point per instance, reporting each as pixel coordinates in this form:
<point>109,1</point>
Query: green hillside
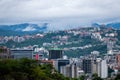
<point>72,43</point>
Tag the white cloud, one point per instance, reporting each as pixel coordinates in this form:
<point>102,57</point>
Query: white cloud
<point>29,28</point>
<point>59,12</point>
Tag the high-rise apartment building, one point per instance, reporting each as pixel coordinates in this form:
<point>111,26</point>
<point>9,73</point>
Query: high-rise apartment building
<point>87,66</point>
<point>55,53</point>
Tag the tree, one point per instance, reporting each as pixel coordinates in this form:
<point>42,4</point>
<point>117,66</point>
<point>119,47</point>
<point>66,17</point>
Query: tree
<point>82,77</point>
<point>95,77</point>
<point>117,77</point>
<point>27,69</point>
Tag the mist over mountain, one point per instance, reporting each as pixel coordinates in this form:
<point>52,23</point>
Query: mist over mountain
<point>25,27</point>
<point>22,29</point>
<point>113,25</point>
<point>29,28</point>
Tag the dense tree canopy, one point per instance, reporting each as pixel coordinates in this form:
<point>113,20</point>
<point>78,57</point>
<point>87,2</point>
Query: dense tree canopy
<point>26,69</point>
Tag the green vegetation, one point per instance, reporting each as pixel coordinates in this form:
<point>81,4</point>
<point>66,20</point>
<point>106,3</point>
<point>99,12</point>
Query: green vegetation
<point>95,77</point>
<point>1,50</point>
<point>80,52</point>
<point>82,77</point>
<point>26,69</point>
<point>72,41</point>
<point>117,77</point>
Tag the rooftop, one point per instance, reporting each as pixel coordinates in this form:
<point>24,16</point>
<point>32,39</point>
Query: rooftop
<point>55,49</point>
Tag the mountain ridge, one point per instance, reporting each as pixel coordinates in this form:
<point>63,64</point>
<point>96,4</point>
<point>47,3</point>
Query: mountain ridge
<point>25,27</point>
<point>115,25</point>
<point>30,28</point>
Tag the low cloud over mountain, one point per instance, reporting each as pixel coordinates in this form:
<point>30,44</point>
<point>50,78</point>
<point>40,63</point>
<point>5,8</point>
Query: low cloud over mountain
<point>26,27</point>
<point>59,13</point>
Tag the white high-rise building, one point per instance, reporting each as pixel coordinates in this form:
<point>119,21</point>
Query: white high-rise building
<point>104,69</point>
<point>73,70</point>
<point>63,70</point>
<point>99,66</point>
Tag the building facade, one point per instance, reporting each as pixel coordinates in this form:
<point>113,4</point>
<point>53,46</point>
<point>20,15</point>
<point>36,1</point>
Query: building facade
<point>104,69</point>
<point>4,52</point>
<point>87,66</point>
<point>55,54</point>
<point>21,53</point>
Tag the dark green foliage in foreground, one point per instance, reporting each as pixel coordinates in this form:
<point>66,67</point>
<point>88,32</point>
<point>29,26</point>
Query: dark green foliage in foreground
<point>95,77</point>
<point>25,69</point>
<point>117,77</point>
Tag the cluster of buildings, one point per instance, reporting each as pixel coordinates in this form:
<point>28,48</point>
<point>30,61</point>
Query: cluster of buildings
<point>17,53</point>
<point>5,39</point>
<point>102,34</point>
<point>69,67</point>
<point>104,65</point>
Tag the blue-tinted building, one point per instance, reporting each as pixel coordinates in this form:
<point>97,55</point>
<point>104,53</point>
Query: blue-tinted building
<point>21,53</point>
<point>61,62</point>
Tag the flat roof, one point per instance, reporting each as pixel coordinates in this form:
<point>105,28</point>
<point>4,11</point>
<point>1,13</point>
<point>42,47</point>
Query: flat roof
<point>55,49</point>
<point>21,49</point>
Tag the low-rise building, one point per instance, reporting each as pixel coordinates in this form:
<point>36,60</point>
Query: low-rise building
<point>21,53</point>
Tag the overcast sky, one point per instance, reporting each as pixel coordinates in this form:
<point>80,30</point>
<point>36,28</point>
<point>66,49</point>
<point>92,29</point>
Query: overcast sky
<point>69,13</point>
